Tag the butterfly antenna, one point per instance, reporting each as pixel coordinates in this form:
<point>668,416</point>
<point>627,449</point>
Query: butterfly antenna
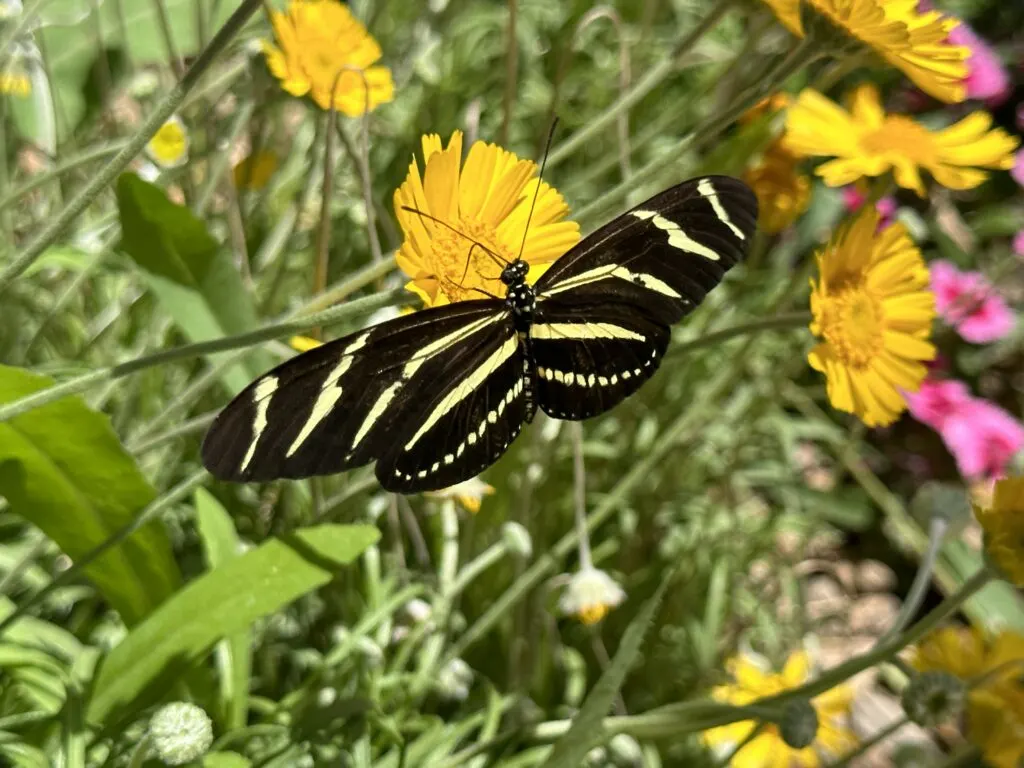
<point>540,178</point>
<point>497,258</point>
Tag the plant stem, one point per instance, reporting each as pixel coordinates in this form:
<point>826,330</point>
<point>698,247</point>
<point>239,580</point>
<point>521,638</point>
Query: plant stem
<point>80,384</point>
<point>778,322</point>
<point>164,110</point>
<point>651,79</point>
<point>70,163</point>
<point>922,579</point>
<point>511,70</point>
<point>579,496</point>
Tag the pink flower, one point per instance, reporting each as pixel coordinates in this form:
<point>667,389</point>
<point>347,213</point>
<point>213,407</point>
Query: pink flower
<point>936,401</point>
<point>1018,168</point>
<point>982,437</point>
<point>987,78</point>
<point>853,199</point>
<point>970,304</point>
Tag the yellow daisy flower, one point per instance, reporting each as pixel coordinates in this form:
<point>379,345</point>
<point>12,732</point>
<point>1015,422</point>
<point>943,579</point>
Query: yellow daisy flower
<point>995,701</point>
<point>867,142</point>
<point>323,51</point>
<point>169,146</point>
<point>767,749</point>
<point>995,724</point>
<point>1003,523</point>
<point>469,493</point>
<point>783,193</point>
<point>913,41</point>
<point>874,310</point>
<point>590,595</point>
<point>489,201</point>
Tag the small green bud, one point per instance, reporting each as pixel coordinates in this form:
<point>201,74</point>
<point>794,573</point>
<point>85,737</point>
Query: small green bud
<point>933,697</point>
<point>625,751</point>
<point>181,733</point>
<point>799,724</point>
<point>517,540</point>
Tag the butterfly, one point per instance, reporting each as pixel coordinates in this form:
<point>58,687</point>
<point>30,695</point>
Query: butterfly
<point>437,396</point>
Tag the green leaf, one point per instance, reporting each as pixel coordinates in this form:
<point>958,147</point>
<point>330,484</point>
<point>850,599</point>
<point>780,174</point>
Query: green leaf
<point>225,760</point>
<point>163,237</point>
<point>233,653</point>
<point>221,603</point>
<point>63,469</point>
<point>586,729</point>
<point>190,274</point>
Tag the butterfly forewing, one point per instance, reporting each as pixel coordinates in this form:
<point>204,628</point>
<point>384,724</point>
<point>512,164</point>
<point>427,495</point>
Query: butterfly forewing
<point>340,405</point>
<point>604,309</point>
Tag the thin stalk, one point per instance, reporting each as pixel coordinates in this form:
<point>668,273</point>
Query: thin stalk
<point>579,496</point>
<point>361,158</point>
<point>28,15</point>
<point>150,512</point>
<point>82,383</point>
<point>222,160</point>
<point>165,30</point>
<point>778,322</point>
<point>651,80</point>
<point>511,71</point>
<point>70,163</point>
<point>937,528</point>
<point>195,424</point>
<point>323,235</point>
<point>101,180</point>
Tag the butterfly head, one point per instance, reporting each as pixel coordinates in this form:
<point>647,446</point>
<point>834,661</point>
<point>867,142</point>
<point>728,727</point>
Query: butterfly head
<point>515,273</point>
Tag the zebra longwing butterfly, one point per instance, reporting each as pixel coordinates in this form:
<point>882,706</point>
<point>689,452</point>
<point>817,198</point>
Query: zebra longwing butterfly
<point>437,396</point>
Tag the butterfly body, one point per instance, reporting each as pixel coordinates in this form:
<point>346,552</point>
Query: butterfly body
<point>437,396</point>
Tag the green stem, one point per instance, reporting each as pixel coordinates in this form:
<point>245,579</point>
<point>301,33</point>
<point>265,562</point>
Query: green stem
<point>651,79</point>
<point>150,512</point>
<point>97,152</point>
<point>922,579</point>
<point>86,381</point>
<point>678,431</point>
<point>164,110</point>
<point>778,322</point>
<point>28,15</point>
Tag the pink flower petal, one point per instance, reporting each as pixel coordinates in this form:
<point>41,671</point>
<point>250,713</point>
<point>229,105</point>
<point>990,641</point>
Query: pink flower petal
<point>1018,167</point>
<point>937,400</point>
<point>967,302</point>
<point>983,438</point>
<point>1018,243</point>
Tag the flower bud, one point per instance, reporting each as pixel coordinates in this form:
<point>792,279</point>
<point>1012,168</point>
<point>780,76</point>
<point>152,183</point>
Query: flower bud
<point>517,540</point>
<point>933,697</point>
<point>799,724</point>
<point>181,732</point>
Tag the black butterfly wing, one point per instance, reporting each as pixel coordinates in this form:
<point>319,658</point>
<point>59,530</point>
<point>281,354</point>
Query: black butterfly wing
<point>601,324</point>
<point>464,427</point>
<point>346,403</point>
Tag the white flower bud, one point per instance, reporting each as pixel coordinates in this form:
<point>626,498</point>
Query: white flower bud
<point>517,540</point>
<point>181,733</point>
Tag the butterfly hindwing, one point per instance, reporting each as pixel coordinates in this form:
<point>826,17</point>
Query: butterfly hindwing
<point>457,431</point>
<point>340,405</point>
<point>590,356</point>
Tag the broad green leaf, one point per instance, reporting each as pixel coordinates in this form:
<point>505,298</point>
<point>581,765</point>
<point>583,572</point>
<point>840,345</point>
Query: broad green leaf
<point>63,469</point>
<point>233,653</point>
<point>163,238</point>
<point>191,275</point>
<point>218,604</point>
<point>586,729</point>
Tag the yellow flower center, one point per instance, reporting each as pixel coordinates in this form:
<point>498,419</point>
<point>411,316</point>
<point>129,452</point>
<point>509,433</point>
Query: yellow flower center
<point>463,269</point>
<point>852,322</point>
<point>901,136</point>
<point>593,613</point>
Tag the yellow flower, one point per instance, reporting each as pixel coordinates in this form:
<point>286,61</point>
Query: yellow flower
<point>169,146</point>
<point>914,42</point>
<point>325,52</point>
<point>469,493</point>
<point>867,142</point>
<point>489,201</point>
<point>995,723</point>
<point>590,595</point>
<point>255,170</point>
<point>767,749</point>
<point>303,343</point>
<point>874,310</point>
<point>15,83</point>
<point>994,668</point>
<point>1003,523</point>
<point>782,191</point>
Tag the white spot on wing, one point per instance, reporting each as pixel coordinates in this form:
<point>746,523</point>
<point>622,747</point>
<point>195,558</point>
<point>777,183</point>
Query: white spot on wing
<point>677,238</point>
<point>261,397</point>
<point>707,189</point>
<point>330,394</point>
